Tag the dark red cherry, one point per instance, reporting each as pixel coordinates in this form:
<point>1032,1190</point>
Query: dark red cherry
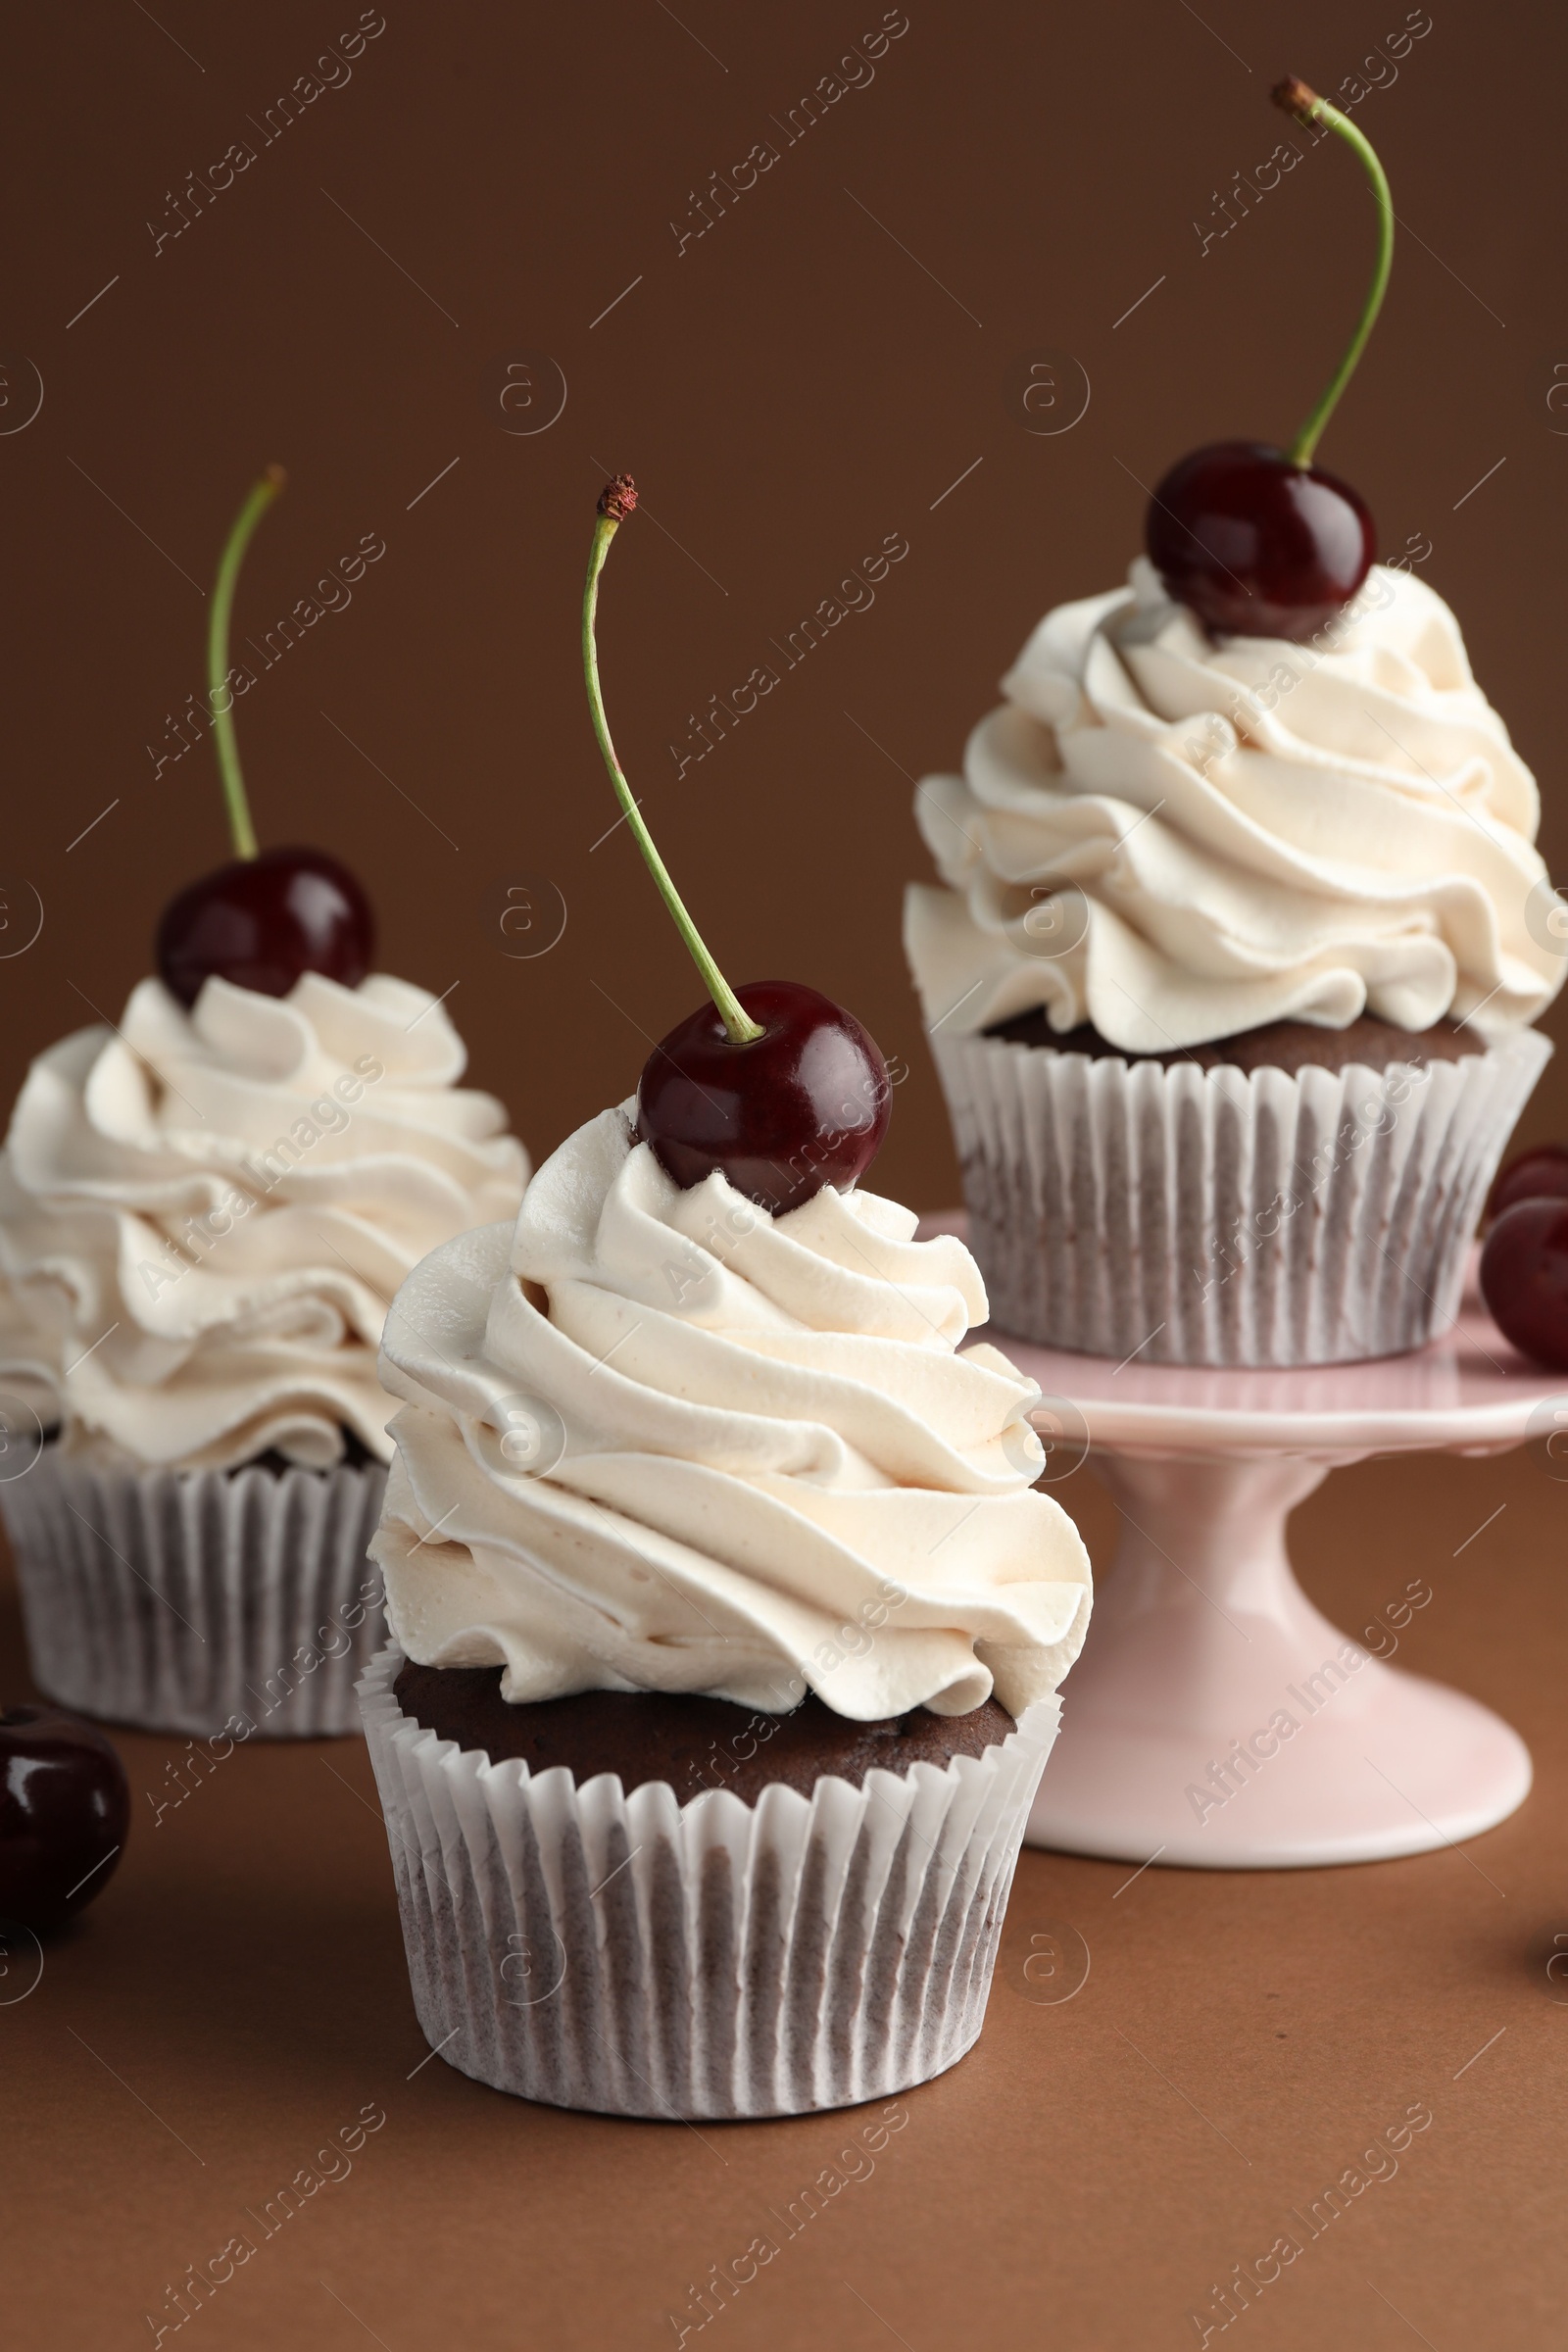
<point>1257,547</point>
<point>263,921</point>
<point>1541,1174</point>
<point>1524,1279</point>
<point>65,1807</point>
<point>805,1104</point>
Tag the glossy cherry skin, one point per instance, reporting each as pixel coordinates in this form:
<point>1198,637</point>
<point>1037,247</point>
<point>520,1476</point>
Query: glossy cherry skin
<point>65,1808</point>
<point>263,921</point>
<point>1257,547</point>
<point>1524,1279</point>
<point>1541,1174</point>
<point>805,1104</point>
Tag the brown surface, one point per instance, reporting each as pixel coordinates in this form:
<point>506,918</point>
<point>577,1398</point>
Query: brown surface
<point>692,1742</point>
<point>1277,1045</point>
<point>1078,2181</point>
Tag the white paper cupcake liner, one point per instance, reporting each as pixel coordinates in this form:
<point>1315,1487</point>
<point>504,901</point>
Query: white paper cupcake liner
<point>632,1955</point>
<point>200,1601</point>
<point>1225,1216</point>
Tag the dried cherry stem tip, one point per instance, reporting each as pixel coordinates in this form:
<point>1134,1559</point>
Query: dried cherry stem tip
<point>616,501</point>
<point>1295,96</point>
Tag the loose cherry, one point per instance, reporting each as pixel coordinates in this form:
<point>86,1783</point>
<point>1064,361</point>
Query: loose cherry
<point>773,1084</point>
<point>263,921</point>
<point>1541,1174</point>
<point>65,1808</point>
<point>1259,541</point>
<point>1524,1279</point>
<point>804,1104</point>
<point>267,918</point>
<point>1256,546</point>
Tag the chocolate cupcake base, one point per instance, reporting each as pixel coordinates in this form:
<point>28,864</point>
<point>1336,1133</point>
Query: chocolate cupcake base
<point>1367,1044</point>
<point>633,1954</point>
<point>692,1741</point>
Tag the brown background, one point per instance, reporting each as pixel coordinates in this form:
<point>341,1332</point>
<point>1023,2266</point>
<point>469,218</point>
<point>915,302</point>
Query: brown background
<point>799,382</point>
<point>787,391</point>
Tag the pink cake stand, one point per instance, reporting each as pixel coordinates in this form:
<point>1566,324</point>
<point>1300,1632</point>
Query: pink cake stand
<point>1216,1718</point>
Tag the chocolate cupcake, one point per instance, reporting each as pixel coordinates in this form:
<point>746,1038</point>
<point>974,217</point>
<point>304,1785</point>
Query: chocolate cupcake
<point>1230,982</point>
<point>695,1743</point>
<point>728,1631</point>
<point>202,1217</point>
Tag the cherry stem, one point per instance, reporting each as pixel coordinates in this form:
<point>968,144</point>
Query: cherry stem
<point>1298,99</point>
<point>259,498</point>
<point>618,501</point>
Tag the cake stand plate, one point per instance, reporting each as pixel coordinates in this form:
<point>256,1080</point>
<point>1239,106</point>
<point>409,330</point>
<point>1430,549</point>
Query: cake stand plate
<point>1216,1718</point>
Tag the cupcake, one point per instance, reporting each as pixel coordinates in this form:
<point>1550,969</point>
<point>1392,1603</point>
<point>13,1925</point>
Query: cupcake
<point>726,1638</point>
<point>204,1211</point>
<point>726,1625</point>
<point>1240,932</point>
<point>203,1216</point>
<point>1229,983</point>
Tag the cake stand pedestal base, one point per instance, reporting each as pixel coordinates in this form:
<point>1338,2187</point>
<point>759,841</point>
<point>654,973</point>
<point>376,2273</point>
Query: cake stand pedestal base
<point>1217,1719</point>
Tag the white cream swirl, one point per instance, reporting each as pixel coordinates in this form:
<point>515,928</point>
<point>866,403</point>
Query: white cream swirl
<point>203,1216</point>
<point>1179,840</point>
<point>29,1389</point>
<point>751,1458</point>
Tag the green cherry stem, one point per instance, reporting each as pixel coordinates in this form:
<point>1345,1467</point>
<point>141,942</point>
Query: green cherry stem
<point>250,515</point>
<point>1308,107</point>
<point>617,501</point>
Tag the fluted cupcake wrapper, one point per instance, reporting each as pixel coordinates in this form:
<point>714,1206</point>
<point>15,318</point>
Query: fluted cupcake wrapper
<point>1225,1216</point>
<point>200,1601</point>
<point>632,1955</point>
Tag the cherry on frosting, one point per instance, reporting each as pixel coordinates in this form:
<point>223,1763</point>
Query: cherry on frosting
<point>1256,546</point>
<point>774,1085</point>
<point>263,921</point>
<point>273,914</point>
<point>1259,541</point>
<point>1524,1279</point>
<point>804,1105</point>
